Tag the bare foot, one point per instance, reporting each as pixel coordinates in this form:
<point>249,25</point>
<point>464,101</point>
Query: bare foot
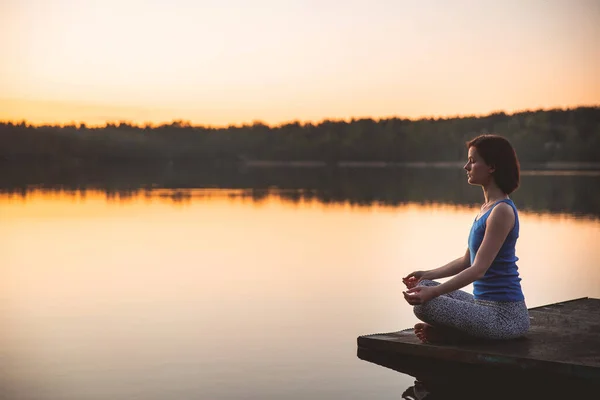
<point>424,332</point>
<point>429,334</point>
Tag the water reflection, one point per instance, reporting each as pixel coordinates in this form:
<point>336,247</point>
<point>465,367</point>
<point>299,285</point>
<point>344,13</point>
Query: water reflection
<point>157,293</point>
<point>422,390</point>
<point>444,380</point>
<point>576,193</point>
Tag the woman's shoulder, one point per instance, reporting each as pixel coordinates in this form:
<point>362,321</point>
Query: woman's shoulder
<point>508,204</point>
<point>503,213</point>
<point>504,205</point>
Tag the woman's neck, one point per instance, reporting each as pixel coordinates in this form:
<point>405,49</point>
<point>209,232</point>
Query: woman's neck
<point>493,193</point>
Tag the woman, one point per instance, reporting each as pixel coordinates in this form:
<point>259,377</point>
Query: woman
<point>497,309</point>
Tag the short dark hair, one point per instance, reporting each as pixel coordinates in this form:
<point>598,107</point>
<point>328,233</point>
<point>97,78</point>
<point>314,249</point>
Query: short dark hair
<point>498,153</point>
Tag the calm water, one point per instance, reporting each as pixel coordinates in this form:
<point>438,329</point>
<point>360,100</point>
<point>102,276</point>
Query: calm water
<point>206,293</point>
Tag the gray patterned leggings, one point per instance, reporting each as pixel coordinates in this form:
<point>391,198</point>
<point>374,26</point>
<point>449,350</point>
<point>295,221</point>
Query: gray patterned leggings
<point>459,311</point>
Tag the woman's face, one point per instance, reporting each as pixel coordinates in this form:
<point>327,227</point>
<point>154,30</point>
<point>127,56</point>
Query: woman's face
<point>478,172</point>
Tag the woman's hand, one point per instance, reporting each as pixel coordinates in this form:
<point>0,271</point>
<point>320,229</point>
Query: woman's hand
<point>420,294</point>
<point>411,280</point>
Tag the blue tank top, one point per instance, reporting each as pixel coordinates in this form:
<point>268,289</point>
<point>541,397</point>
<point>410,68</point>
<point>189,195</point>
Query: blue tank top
<point>501,281</point>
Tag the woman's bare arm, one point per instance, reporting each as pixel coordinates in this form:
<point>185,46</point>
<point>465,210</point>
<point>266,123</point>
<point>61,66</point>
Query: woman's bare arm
<point>450,269</point>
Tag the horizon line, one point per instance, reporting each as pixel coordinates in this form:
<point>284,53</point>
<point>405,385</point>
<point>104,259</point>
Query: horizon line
<point>187,123</point>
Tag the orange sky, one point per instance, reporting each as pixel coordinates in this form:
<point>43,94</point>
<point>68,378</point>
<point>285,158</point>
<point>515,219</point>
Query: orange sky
<point>220,62</point>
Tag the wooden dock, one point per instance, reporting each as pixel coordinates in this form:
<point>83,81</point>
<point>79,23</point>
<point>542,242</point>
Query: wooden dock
<point>563,345</point>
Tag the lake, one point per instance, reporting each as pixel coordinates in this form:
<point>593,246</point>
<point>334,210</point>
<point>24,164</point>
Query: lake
<point>249,284</point>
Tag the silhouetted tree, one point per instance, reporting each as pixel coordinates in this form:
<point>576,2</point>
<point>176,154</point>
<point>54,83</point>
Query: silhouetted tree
<point>539,136</point>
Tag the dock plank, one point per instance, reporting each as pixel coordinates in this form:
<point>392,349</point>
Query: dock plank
<point>564,341</point>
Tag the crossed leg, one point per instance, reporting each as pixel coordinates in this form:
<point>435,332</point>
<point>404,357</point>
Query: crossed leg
<point>433,331</point>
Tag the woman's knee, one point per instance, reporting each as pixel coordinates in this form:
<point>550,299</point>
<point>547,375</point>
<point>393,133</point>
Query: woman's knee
<point>423,312</point>
<point>427,282</point>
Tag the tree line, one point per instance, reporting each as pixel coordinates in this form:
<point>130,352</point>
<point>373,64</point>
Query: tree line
<point>557,135</point>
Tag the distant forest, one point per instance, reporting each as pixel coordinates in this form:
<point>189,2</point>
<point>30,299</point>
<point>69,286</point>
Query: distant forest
<point>571,135</point>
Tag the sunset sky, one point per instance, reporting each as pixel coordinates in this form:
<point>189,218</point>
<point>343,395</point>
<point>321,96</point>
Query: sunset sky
<point>221,62</point>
